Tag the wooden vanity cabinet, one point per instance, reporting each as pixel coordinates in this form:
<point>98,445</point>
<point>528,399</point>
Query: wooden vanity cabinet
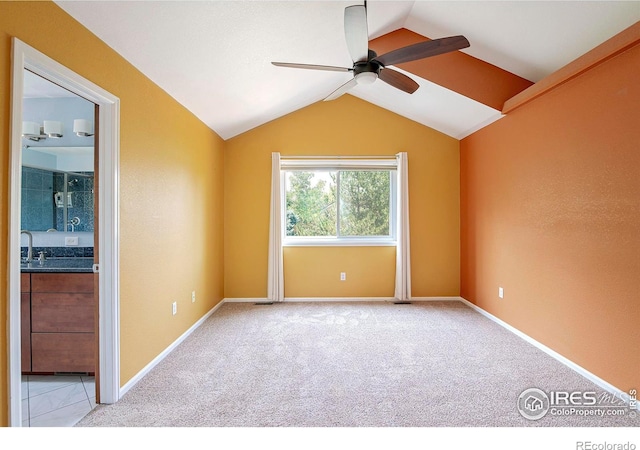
<point>25,320</point>
<point>62,322</point>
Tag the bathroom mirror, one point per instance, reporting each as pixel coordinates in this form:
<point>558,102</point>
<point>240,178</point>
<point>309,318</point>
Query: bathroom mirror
<point>57,158</point>
<point>56,200</point>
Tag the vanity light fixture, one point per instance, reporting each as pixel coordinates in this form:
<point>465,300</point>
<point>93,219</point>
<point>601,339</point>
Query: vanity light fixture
<point>32,131</point>
<point>53,128</point>
<point>82,127</point>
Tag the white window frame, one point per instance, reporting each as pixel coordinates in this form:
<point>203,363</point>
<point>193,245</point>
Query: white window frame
<point>342,164</point>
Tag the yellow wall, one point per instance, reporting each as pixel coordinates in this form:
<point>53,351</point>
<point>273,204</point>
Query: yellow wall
<point>171,182</point>
<point>347,126</point>
<point>315,271</point>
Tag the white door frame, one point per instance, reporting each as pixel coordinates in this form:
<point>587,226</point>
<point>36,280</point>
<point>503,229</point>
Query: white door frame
<point>26,57</point>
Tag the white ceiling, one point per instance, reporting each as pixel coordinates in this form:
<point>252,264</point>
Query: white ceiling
<point>215,57</point>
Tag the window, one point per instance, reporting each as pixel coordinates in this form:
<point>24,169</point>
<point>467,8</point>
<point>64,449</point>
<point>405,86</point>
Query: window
<point>339,203</point>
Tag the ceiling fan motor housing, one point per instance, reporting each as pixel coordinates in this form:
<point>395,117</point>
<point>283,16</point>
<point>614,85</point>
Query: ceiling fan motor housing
<point>367,67</point>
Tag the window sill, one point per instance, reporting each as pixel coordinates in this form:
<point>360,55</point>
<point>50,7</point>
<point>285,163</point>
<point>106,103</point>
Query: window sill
<point>342,242</point>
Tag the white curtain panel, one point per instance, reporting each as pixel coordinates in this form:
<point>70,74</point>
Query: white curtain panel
<point>275,283</point>
<point>403,256</point>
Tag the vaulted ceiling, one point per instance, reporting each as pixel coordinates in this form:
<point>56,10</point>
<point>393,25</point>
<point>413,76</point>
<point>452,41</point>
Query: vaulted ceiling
<point>215,57</point>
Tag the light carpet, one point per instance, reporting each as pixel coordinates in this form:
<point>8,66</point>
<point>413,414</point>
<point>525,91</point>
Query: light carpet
<point>358,364</point>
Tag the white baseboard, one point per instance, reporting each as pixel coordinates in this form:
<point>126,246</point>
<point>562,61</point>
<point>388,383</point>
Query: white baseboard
<point>567,362</point>
<point>246,300</point>
<point>342,299</point>
<point>132,382</point>
<point>311,299</point>
<point>337,299</point>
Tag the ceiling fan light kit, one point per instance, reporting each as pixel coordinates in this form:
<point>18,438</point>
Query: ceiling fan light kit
<point>368,66</point>
<point>366,77</point>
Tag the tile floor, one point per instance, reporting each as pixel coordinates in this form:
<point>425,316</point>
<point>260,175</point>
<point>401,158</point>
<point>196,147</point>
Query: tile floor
<point>56,400</point>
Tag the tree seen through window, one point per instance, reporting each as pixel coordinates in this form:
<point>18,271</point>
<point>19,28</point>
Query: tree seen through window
<point>338,203</point>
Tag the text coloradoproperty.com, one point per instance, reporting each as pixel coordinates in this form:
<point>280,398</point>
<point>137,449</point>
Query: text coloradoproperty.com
<point>598,412</point>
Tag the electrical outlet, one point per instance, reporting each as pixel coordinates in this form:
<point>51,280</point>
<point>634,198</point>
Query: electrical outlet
<point>174,308</point>
<point>193,296</point>
<point>71,240</point>
<point>500,292</point>
<point>343,276</point>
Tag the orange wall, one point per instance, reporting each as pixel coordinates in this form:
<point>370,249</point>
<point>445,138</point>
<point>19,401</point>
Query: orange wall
<point>550,211</point>
<point>171,181</point>
<point>347,126</point>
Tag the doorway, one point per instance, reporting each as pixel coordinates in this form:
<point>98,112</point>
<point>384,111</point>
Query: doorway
<point>57,218</point>
<point>105,108</point>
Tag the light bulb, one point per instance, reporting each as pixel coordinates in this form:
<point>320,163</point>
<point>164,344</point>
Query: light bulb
<point>366,77</point>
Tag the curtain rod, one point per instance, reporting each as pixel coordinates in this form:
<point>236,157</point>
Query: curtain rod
<point>339,157</point>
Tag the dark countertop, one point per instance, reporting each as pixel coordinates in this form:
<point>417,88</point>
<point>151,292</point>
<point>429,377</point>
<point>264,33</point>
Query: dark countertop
<point>59,265</point>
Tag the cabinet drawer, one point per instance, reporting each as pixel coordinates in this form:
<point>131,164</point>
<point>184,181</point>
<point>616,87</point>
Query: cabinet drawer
<point>63,352</point>
<point>25,282</point>
<point>25,331</point>
<point>62,282</point>
<point>62,312</point>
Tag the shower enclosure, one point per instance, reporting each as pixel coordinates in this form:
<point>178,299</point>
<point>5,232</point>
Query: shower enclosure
<point>56,200</point>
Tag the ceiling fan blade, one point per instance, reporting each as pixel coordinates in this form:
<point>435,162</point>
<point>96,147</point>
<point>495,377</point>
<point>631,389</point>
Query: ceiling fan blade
<point>423,50</point>
<point>312,66</point>
<point>341,90</point>
<point>356,33</point>
<point>398,80</point>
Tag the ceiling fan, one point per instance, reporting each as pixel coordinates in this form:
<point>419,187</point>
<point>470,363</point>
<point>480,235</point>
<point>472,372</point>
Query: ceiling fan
<point>368,66</point>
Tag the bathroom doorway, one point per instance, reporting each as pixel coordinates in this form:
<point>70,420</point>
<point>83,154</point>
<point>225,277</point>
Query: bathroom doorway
<point>82,198</point>
<point>58,243</point>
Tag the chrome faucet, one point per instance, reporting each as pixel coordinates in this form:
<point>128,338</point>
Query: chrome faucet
<point>30,248</point>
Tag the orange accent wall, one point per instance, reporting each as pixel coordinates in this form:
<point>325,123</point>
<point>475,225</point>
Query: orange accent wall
<point>550,211</point>
<point>346,126</point>
<point>456,71</point>
<point>171,181</point>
